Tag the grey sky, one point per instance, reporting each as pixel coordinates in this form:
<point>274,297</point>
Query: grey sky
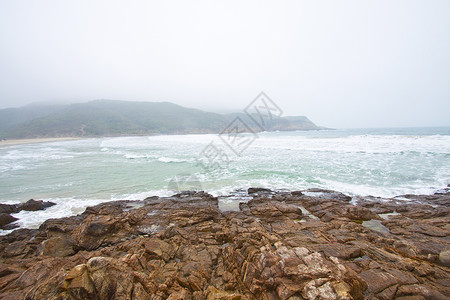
<point>341,63</point>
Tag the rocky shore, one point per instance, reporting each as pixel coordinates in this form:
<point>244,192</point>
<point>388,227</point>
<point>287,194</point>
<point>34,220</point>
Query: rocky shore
<point>314,244</point>
<point>7,221</point>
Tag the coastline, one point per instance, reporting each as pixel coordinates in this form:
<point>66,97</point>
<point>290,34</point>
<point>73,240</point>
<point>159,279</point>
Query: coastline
<point>275,245</point>
<point>35,141</point>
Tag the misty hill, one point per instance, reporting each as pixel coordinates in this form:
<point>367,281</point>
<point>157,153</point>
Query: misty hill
<point>115,118</point>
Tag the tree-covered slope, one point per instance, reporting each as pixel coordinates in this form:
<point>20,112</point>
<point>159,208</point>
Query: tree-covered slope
<point>112,118</point>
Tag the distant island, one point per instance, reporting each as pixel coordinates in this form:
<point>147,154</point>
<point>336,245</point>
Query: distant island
<point>119,118</point>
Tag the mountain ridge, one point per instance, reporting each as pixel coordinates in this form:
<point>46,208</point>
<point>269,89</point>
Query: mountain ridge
<point>118,118</point>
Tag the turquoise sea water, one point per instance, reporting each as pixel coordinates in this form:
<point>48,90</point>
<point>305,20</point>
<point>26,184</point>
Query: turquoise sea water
<point>79,173</point>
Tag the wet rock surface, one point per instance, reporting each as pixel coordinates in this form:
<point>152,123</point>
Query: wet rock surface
<point>6,219</point>
<point>31,205</point>
<point>300,245</point>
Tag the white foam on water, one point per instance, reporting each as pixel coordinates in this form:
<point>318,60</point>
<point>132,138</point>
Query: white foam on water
<point>188,138</point>
<point>313,194</point>
<point>401,198</point>
<point>14,167</point>
<point>170,160</point>
<point>272,183</point>
<point>143,195</point>
<point>359,143</point>
<point>65,207</point>
<point>139,156</point>
<point>378,191</point>
<point>362,164</point>
<point>30,157</point>
<point>5,232</point>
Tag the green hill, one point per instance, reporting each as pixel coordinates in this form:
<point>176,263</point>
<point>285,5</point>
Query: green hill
<point>114,118</point>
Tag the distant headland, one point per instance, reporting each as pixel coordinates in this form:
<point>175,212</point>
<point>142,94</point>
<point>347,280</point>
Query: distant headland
<point>120,118</point>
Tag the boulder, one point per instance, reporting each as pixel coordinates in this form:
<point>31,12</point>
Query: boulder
<point>9,208</point>
<point>6,219</point>
<point>34,205</point>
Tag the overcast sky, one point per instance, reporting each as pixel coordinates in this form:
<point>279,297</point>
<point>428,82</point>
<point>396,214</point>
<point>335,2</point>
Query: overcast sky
<point>341,63</point>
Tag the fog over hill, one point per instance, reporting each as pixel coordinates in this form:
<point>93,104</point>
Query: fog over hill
<point>118,118</point>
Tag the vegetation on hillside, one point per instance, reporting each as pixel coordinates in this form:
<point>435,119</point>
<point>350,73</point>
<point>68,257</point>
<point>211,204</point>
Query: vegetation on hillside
<point>114,118</point>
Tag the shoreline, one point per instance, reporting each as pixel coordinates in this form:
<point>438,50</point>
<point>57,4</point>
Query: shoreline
<point>224,204</point>
<point>35,141</point>
<point>276,245</point>
<point>24,141</point>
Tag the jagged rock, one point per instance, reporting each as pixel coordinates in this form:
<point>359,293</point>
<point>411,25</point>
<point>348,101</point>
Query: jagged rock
<point>160,249</point>
<point>78,284</point>
<point>278,246</point>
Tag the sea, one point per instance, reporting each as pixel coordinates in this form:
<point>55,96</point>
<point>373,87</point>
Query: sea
<point>76,174</point>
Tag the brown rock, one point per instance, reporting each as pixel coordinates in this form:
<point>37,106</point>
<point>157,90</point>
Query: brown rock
<point>215,294</point>
<point>377,280</point>
<point>6,219</point>
<point>79,284</point>
<point>97,229</point>
<point>8,208</point>
<point>254,190</point>
<point>33,205</point>
<point>160,249</point>
<point>419,290</point>
<point>444,258</point>
<point>341,251</point>
<point>388,293</point>
<point>57,247</point>
<point>329,194</point>
<point>184,247</point>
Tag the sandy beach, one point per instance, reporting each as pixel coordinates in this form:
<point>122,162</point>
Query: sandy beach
<point>34,141</point>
